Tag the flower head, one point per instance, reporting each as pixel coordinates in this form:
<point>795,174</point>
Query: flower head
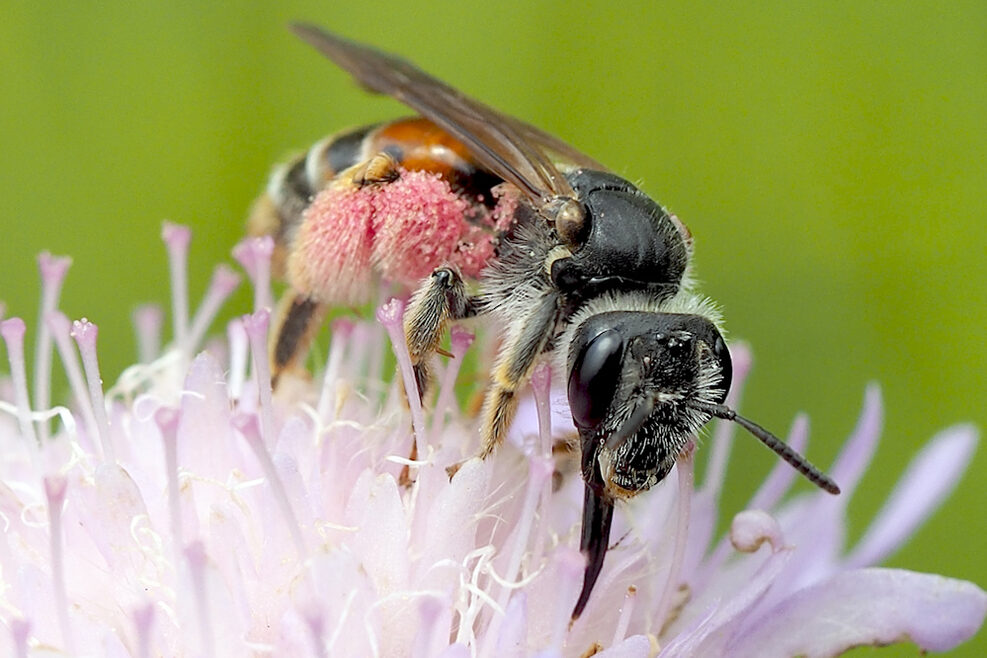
<point>187,511</point>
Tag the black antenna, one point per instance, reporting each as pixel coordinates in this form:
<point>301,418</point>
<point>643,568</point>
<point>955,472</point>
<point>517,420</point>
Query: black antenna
<point>782,449</point>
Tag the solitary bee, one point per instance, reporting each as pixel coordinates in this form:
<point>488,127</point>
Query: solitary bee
<point>575,263</point>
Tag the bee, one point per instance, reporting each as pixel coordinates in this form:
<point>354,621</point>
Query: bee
<point>583,268</point>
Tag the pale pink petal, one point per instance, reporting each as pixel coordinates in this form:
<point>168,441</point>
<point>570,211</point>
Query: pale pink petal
<point>455,651</point>
<point>782,474</point>
<point>380,543</point>
<point>868,607</point>
<point>204,429</point>
<point>815,523</point>
<point>702,522</point>
<point>110,504</point>
<point>450,532</point>
<point>767,497</point>
<point>730,609</point>
<point>636,646</point>
<point>930,478</point>
<point>113,647</point>
<point>706,500</point>
<point>198,538</point>
<point>723,434</point>
<point>513,630</point>
<point>859,449</point>
<point>434,621</point>
<point>344,588</point>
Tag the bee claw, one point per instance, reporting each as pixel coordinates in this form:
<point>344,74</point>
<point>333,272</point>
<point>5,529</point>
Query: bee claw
<point>452,470</point>
<point>404,478</point>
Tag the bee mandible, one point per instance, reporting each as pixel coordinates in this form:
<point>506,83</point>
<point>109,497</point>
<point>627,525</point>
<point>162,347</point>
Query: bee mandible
<point>583,268</point>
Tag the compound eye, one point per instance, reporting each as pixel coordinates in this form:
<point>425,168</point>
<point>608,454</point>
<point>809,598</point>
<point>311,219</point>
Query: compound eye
<point>722,354</point>
<point>594,378</point>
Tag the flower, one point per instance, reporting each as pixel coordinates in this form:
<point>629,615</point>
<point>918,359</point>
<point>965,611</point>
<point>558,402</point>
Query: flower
<point>187,511</point>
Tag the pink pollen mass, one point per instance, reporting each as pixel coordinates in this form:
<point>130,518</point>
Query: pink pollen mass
<point>332,258</point>
<point>400,231</point>
<point>419,223</point>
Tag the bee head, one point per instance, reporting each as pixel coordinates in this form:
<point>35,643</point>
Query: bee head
<point>640,384</point>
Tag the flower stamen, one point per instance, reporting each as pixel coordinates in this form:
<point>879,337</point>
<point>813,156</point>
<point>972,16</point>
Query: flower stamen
<point>85,334</point>
<point>148,320</point>
<point>60,329</point>
<point>254,254</point>
<point>256,327</point>
<point>247,424</point>
<point>685,467</point>
<point>625,615</point>
<point>53,270</point>
<point>55,486</point>
<point>224,281</point>
<point>176,239</point>
<point>391,315</point>
<point>12,331</point>
<point>459,342</point>
<point>329,399</point>
<point>239,344</point>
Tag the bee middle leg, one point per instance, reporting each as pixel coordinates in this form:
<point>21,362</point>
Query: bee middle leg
<point>514,365</point>
<point>441,299</point>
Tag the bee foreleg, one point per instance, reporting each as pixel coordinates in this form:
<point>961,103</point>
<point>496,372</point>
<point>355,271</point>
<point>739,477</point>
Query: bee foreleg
<point>440,299</point>
<point>297,320</point>
<point>517,359</point>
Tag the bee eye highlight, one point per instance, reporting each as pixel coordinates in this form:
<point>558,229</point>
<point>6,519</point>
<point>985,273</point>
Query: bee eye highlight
<point>594,378</point>
<point>722,354</point>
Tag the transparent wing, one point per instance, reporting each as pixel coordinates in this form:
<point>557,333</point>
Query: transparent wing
<point>508,147</point>
<point>556,146</point>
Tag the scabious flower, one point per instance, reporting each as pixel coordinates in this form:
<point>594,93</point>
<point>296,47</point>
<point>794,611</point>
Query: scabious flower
<point>188,511</point>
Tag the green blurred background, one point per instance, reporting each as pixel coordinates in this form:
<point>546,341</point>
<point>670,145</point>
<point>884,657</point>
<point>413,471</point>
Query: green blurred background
<point>829,159</point>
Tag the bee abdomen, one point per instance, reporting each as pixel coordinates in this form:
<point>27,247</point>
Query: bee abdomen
<point>332,155</point>
<point>293,185</point>
<point>416,144</point>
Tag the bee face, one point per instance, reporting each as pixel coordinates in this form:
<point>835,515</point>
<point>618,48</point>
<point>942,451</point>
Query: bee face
<point>638,385</point>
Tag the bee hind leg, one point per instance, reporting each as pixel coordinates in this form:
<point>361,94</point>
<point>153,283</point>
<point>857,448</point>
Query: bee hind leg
<point>297,320</point>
